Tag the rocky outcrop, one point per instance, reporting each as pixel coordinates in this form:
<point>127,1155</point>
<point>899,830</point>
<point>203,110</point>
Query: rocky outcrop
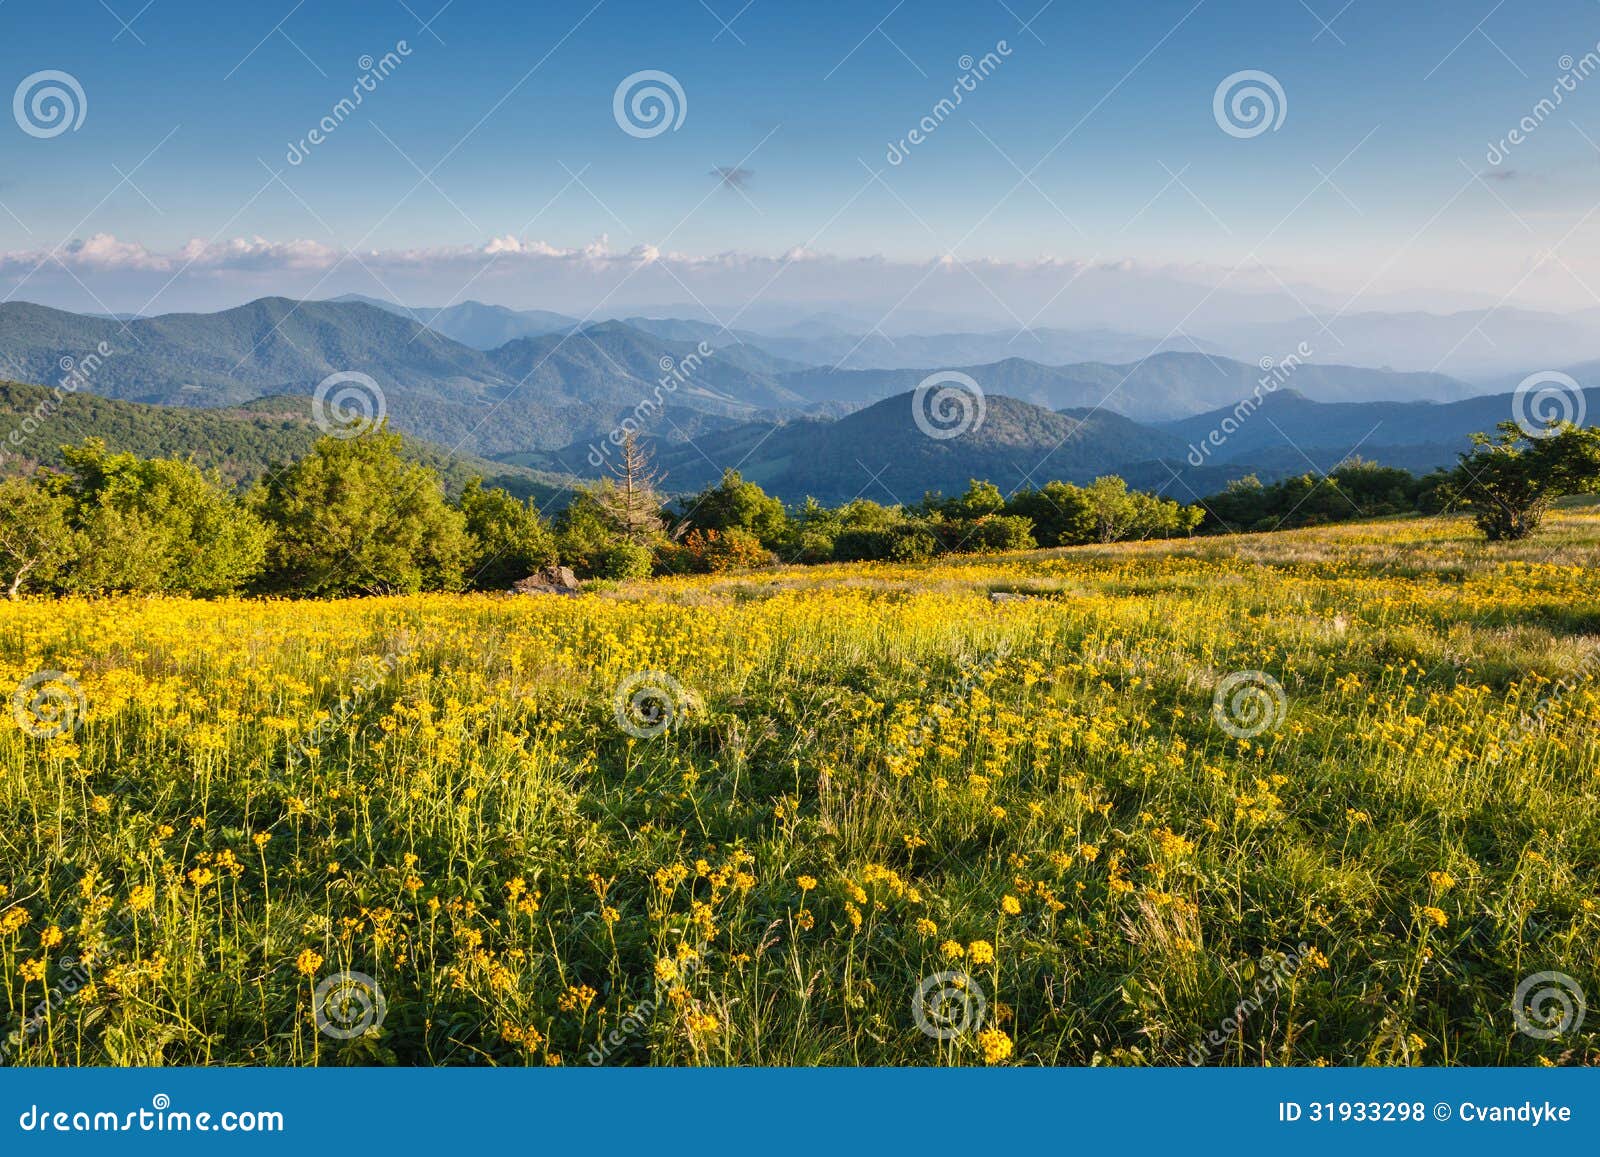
<point>548,580</point>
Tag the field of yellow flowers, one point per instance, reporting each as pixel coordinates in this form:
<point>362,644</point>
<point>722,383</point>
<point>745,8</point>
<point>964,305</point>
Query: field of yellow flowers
<point>1321,797</point>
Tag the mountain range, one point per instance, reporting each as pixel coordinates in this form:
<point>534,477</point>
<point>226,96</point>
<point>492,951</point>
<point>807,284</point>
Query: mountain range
<point>555,387</point>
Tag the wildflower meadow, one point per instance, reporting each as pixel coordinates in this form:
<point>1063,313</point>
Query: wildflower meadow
<point>1322,797</point>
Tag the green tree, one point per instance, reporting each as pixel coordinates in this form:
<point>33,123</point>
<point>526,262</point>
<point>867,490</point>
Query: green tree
<point>809,535</point>
<point>981,500</point>
<point>1112,512</point>
<point>1510,482</point>
<point>510,540</point>
<point>1059,512</point>
<point>37,540</point>
<point>156,524</point>
<point>734,504</point>
<point>353,517</point>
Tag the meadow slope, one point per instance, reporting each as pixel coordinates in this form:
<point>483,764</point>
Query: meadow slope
<point>845,780</point>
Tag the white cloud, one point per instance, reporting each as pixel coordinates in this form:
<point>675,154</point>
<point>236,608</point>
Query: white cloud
<point>107,272</point>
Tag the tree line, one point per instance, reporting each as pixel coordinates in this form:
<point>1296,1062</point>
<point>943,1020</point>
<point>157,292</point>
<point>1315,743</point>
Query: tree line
<point>354,516</point>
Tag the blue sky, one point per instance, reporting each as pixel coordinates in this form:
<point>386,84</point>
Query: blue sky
<point>1376,180</point>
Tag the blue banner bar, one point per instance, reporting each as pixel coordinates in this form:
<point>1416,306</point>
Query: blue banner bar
<point>801,1111</point>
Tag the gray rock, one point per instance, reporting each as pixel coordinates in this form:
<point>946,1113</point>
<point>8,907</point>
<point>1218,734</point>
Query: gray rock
<point>548,580</point>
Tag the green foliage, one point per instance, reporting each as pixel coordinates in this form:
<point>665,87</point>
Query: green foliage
<point>715,552</point>
<point>1354,490</point>
<point>356,516</point>
<point>902,541</point>
<point>734,504</point>
<point>37,540</point>
<point>1104,511</point>
<point>992,534</point>
<point>510,540</point>
<point>626,560</point>
<point>353,517</point>
<point>155,525</point>
<point>1058,510</point>
<point>239,443</point>
<point>583,534</point>
<point>1509,483</point>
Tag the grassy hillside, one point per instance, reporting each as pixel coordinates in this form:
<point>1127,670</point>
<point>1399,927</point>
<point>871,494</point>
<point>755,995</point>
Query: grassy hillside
<point>273,345</point>
<point>240,442</point>
<point>531,393</point>
<point>1305,798</point>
